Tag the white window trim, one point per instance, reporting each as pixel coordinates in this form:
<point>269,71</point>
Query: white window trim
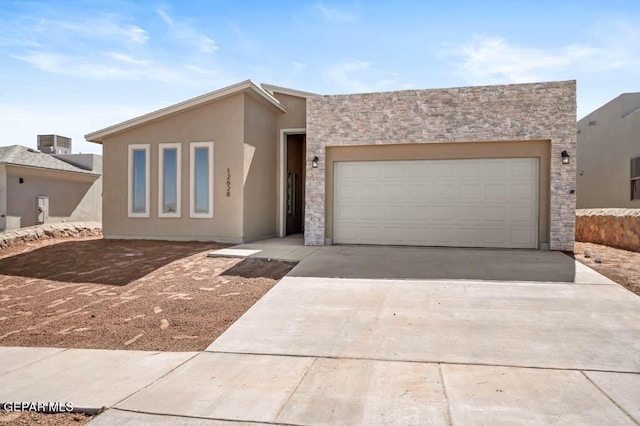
<point>178,147</point>
<point>147,198</point>
<point>192,183</point>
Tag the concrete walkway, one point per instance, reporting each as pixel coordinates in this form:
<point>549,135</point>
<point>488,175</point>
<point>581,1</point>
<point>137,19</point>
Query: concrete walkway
<point>289,249</point>
<point>318,350</point>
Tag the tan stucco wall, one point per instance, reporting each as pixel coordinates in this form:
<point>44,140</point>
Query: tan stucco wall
<point>604,154</point>
<point>261,140</point>
<point>296,115</point>
<point>72,196</point>
<point>444,151</point>
<point>221,122</point>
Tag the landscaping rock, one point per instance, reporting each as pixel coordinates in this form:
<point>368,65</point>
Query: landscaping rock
<point>618,228</point>
<point>48,231</point>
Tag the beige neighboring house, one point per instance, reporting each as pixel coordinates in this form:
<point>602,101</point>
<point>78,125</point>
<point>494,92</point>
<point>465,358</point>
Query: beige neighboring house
<point>37,187</point>
<point>462,167</point>
<point>609,155</point>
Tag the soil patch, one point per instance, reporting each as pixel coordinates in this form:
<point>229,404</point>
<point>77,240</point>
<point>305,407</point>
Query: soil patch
<point>126,294</point>
<point>28,418</point>
<point>621,266</point>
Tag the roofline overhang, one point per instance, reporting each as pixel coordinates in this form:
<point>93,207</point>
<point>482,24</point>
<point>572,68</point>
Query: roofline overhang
<point>49,169</point>
<point>244,86</point>
<point>286,91</point>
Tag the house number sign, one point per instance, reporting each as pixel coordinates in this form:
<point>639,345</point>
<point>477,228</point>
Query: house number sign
<point>228,183</point>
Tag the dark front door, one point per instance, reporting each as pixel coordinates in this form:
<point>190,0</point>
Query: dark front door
<point>294,184</point>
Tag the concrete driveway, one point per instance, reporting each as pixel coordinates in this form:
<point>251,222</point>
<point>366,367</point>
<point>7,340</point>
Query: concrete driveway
<point>474,337</point>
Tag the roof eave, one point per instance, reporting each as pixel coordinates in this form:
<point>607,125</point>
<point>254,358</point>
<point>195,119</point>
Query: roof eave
<point>50,169</point>
<point>286,91</point>
<point>98,136</point>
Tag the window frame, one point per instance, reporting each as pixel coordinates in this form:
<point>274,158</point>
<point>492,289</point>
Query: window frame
<point>192,184</point>
<point>162,147</point>
<point>147,173</point>
<point>632,178</point>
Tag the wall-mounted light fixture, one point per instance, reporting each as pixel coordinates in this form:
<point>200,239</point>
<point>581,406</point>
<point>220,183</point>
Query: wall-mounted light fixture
<point>565,157</point>
<point>20,180</point>
<point>314,162</point>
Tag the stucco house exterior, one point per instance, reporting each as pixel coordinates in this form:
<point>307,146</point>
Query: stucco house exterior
<point>464,167</point>
<point>608,160</point>
<point>37,187</point>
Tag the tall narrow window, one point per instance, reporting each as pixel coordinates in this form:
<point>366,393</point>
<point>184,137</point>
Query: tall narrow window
<point>138,193</point>
<point>635,178</point>
<point>169,180</point>
<point>201,185</point>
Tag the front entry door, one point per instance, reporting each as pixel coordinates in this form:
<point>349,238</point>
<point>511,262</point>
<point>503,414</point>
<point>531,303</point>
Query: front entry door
<point>294,184</point>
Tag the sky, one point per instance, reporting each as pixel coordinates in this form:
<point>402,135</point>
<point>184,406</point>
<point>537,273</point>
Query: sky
<point>73,67</point>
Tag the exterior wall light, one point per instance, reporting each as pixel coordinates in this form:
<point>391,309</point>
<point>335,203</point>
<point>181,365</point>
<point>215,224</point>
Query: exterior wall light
<point>565,157</point>
<point>314,162</point>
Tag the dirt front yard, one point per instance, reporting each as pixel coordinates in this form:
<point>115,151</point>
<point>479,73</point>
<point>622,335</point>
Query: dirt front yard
<point>621,266</point>
<point>125,294</point>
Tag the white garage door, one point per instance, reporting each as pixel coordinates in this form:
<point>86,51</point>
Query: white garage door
<point>456,203</point>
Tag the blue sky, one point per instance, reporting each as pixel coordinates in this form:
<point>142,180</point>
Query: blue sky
<point>72,67</point>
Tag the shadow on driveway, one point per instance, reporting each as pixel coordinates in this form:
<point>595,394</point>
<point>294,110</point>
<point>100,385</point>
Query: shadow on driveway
<point>375,262</point>
<point>100,261</point>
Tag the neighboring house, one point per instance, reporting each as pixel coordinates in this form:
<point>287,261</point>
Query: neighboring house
<point>468,167</point>
<point>609,155</point>
<point>36,187</point>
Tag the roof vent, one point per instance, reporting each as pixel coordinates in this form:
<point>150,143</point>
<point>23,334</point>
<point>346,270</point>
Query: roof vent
<point>33,150</point>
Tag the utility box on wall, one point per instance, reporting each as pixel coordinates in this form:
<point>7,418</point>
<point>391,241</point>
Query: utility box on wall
<point>42,209</point>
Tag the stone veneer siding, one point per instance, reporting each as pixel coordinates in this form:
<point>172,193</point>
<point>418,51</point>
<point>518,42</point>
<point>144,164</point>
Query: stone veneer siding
<point>518,112</point>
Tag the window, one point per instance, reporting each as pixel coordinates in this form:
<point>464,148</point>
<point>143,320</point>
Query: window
<point>201,179</point>
<point>635,178</point>
<point>169,182</point>
<point>138,193</point>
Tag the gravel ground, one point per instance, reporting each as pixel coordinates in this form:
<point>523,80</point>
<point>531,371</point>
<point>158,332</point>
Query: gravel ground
<point>125,294</point>
<point>28,418</point>
<point>621,266</point>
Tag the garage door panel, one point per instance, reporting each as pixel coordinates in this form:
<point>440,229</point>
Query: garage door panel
<point>370,212</point>
<point>418,213</point>
<point>464,203</point>
<point>495,190</point>
<point>443,191</point>
<point>442,213</point>
<point>494,235</point>
<point>467,213</point>
<point>521,214</point>
<point>393,191</point>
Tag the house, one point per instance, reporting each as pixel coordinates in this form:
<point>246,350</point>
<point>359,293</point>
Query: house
<point>608,158</point>
<point>48,185</point>
<point>490,166</point>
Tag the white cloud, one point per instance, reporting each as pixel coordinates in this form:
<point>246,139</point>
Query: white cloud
<point>355,76</point>
<point>116,66</point>
<point>333,14</point>
<point>183,29</point>
<point>298,67</point>
<point>486,60</point>
<point>107,27</point>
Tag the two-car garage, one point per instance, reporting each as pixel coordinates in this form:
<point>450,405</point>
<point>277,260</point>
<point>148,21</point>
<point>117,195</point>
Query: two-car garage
<point>485,202</point>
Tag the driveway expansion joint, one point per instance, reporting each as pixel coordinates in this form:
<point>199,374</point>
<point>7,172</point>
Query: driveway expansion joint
<point>609,398</point>
<point>157,379</point>
<point>446,396</point>
<point>205,418</point>
<point>439,362</point>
